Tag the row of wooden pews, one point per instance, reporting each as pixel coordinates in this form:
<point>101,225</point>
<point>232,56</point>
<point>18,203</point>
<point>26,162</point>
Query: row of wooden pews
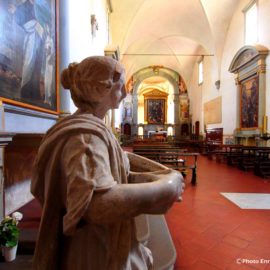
<point>171,156</point>
<point>244,157</point>
<point>262,163</point>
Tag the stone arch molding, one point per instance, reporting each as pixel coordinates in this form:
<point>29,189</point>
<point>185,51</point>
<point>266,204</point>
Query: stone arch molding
<point>169,74</point>
<point>166,73</point>
<point>249,56</point>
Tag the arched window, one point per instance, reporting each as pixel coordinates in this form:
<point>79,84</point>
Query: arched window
<point>251,23</point>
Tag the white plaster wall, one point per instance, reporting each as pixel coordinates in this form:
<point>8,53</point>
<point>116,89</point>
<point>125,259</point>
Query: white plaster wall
<point>195,95</point>
<point>228,90</point>
<point>80,40</point>
<point>234,41</point>
<point>199,94</point>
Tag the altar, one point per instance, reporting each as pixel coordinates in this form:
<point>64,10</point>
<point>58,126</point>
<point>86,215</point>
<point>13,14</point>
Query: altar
<point>161,133</point>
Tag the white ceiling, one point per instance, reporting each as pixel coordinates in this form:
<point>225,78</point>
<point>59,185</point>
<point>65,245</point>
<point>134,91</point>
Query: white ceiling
<point>172,33</point>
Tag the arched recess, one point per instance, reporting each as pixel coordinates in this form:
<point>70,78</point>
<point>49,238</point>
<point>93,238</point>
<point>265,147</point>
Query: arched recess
<point>171,76</point>
<point>249,66</point>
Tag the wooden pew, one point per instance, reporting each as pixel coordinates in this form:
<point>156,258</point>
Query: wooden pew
<point>173,158</point>
<point>247,160</point>
<point>244,156</point>
<point>221,151</point>
<point>262,163</point>
<point>235,152</point>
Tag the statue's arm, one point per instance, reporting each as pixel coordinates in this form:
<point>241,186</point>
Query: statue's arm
<point>125,201</point>
<point>143,170</point>
<point>86,167</point>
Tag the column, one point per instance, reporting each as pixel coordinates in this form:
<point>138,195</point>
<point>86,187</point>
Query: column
<point>238,98</point>
<point>134,129</point>
<point>176,114</point>
<point>64,95</point>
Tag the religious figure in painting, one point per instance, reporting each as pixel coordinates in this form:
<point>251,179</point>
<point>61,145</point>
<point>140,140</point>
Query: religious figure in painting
<point>25,16</point>
<point>27,52</point>
<point>249,108</point>
<point>155,111</point>
<point>49,66</point>
<point>89,188</point>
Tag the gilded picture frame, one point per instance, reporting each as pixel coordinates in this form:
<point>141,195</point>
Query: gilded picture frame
<point>249,103</point>
<point>29,54</point>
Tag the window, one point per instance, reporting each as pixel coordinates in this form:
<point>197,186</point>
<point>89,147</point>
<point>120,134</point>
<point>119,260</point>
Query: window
<point>251,23</point>
<point>200,71</point>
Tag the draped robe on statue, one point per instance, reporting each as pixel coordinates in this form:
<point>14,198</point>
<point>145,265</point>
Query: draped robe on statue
<point>78,157</point>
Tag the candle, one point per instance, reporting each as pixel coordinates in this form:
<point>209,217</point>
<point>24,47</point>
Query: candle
<point>265,120</point>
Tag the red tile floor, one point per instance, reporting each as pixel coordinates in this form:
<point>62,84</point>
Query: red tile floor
<point>210,232</point>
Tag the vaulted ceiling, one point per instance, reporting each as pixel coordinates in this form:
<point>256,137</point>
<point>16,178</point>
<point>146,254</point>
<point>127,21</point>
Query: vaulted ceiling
<point>170,33</point>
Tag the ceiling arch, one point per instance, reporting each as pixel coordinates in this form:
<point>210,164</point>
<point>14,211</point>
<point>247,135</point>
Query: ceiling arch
<point>174,52</point>
<point>169,33</point>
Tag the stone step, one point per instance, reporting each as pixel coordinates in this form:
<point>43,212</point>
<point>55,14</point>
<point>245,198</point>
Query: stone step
<point>22,262</point>
<point>27,241</point>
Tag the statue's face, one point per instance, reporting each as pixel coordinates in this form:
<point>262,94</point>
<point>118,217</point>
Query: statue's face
<point>118,91</point>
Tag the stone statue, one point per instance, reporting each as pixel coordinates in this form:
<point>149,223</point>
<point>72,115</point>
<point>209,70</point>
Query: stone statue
<point>91,190</point>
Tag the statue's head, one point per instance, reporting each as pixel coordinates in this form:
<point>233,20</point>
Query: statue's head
<point>93,79</point>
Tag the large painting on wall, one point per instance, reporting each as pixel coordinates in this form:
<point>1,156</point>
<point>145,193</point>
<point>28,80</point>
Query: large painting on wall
<point>213,111</point>
<point>184,109</point>
<point>155,111</point>
<point>249,103</point>
<point>28,57</point>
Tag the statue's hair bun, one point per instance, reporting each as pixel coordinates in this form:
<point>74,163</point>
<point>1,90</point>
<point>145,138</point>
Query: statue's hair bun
<point>67,75</point>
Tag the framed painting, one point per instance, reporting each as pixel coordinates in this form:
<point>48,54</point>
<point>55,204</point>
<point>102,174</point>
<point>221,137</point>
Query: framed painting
<point>28,54</point>
<point>155,111</point>
<point>249,103</point>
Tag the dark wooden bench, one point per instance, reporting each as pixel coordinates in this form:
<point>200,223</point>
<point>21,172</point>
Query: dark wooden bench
<point>175,159</point>
<point>221,151</point>
<point>247,160</point>
<point>158,150</point>
<point>244,156</point>
<point>234,154</point>
<point>262,163</point>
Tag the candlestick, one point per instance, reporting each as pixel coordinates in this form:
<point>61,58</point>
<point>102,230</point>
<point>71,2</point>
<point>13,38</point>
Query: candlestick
<point>265,121</point>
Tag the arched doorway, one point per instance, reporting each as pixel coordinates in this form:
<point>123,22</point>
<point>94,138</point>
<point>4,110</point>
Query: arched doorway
<point>127,129</point>
<point>184,130</point>
<point>197,128</point>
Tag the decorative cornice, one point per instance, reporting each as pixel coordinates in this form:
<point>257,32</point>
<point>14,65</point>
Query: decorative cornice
<point>155,93</point>
<point>246,56</point>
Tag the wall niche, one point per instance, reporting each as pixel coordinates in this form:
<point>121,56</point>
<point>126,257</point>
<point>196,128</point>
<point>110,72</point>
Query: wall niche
<point>249,67</point>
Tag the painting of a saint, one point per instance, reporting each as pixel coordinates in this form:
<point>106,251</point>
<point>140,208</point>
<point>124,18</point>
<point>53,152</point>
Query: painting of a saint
<point>27,52</point>
<point>184,109</point>
<point>249,103</point>
<point>155,111</point>
<point>127,111</point>
<point>182,86</point>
